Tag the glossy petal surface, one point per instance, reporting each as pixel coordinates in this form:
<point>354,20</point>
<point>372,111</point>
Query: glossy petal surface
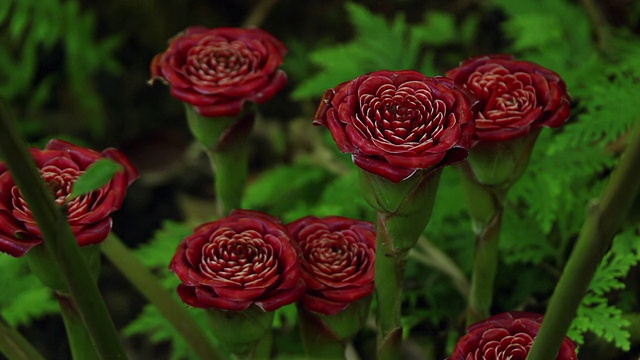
<point>243,259</point>
<point>513,96</point>
<point>395,123</point>
<point>218,70</point>
<point>337,262</point>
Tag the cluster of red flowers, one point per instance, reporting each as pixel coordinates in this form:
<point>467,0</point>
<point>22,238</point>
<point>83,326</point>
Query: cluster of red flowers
<point>252,258</point>
<point>394,123</point>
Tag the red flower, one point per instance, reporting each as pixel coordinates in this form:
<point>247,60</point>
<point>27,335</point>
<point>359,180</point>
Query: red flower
<point>217,70</point>
<point>337,263</point>
<point>507,336</point>
<point>395,123</point>
<point>60,164</point>
<point>243,259</point>
<point>514,96</point>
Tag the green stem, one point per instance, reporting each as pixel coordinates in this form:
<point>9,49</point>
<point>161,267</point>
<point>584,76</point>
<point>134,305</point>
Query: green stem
<point>318,339</point>
<point>148,285</point>
<point>263,347</point>
<point>79,339</point>
<point>226,143</point>
<point>246,334</point>
<point>14,346</point>
<point>485,207</point>
<point>231,168</point>
<point>603,221</point>
<point>390,267</point>
<point>60,242</point>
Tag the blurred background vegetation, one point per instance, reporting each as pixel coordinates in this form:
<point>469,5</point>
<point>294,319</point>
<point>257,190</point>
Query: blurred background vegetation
<point>78,69</point>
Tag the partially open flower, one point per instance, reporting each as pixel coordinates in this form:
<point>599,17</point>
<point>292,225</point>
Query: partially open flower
<point>60,165</point>
<point>218,70</point>
<point>506,336</point>
<point>395,123</point>
<point>245,258</point>
<point>514,96</point>
<point>337,262</point>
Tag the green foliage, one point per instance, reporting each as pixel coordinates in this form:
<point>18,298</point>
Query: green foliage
<point>380,45</point>
<point>35,28</point>
<point>283,188</point>
<point>595,314</point>
<point>157,254</point>
<point>23,298</point>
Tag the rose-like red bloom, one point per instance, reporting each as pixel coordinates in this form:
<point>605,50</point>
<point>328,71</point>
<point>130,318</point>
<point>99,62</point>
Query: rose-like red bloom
<point>397,122</point>
<point>245,258</point>
<point>514,96</point>
<point>217,70</point>
<point>337,264</point>
<point>506,336</point>
<point>60,164</point>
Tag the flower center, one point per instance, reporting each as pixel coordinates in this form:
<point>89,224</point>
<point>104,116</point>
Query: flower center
<point>218,62</point>
<point>403,115</point>
<point>334,256</point>
<point>503,95</point>
<point>242,259</point>
<point>60,181</point>
<point>498,346</point>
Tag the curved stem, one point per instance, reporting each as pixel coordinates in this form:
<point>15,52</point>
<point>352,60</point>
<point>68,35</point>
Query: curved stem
<point>148,285</point>
<point>14,346</point>
<point>259,13</point>
<point>59,242</point>
<point>430,256</point>
<point>602,27</point>
<point>603,221</point>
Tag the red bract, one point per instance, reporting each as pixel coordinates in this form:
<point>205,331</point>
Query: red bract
<point>60,164</point>
<point>514,96</point>
<point>395,123</point>
<point>506,336</point>
<point>218,70</point>
<point>337,263</point>
<point>243,259</point>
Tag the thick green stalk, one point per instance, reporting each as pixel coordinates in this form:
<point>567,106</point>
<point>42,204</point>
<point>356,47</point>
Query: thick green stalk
<point>317,338</point>
<point>14,346</point>
<point>246,334</point>
<point>390,267</point>
<point>60,243</point>
<point>603,221</point>
<point>148,285</point>
<point>485,206</point>
<point>226,143</point>
<point>231,168</point>
<point>327,336</point>
<point>79,339</point>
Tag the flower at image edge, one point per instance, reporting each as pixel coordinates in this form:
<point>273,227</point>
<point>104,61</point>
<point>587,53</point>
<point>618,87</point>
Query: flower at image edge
<point>60,164</point>
<point>337,265</point>
<point>513,96</point>
<point>243,259</point>
<point>506,336</point>
<point>395,123</point>
<point>218,70</point>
